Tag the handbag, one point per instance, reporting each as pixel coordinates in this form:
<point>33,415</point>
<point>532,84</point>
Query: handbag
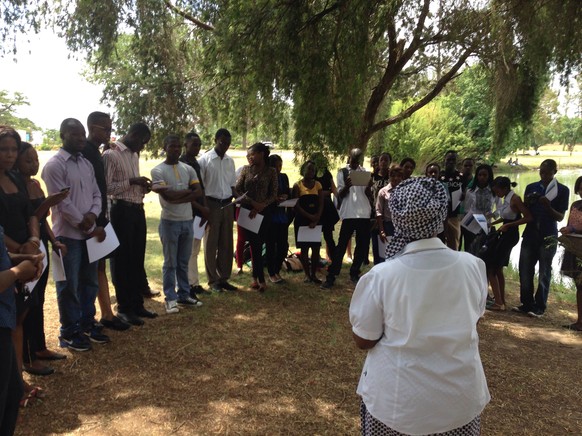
<point>488,244</point>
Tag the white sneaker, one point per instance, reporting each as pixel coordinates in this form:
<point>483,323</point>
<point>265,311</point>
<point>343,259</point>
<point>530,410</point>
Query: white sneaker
<point>171,306</point>
<point>189,301</point>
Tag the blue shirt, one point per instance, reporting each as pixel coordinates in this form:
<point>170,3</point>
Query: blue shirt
<point>7,300</point>
<point>543,223</point>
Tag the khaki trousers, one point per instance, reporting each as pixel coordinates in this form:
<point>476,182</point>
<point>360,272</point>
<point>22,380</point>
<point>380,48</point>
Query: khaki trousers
<point>218,246</point>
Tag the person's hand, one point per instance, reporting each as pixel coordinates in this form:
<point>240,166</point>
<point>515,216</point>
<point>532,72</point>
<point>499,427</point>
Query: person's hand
<point>99,233</point>
<point>259,207</point>
<point>503,228</point>
<point>29,248</point>
<point>62,248</point>
<point>87,222</point>
<point>566,230</point>
<point>312,224</point>
<point>25,271</point>
<point>383,237</point>
<point>543,200</point>
<point>205,212</point>
<point>54,199</point>
<point>253,213</point>
<point>282,197</point>
<point>142,181</point>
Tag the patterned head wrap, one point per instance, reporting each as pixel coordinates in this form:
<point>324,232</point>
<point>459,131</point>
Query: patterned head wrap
<point>419,207</point>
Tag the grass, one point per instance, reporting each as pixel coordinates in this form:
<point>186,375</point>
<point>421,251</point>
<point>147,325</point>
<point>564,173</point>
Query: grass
<point>283,363</point>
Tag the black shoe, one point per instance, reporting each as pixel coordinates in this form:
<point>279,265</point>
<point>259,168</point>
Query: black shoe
<point>520,309</point>
<point>326,285</point>
<point>228,287</point>
<point>536,313</point>
<point>114,324</point>
<point>95,335</point>
<point>198,290</point>
<point>148,293</point>
<point>144,313</point>
<point>130,318</point>
<point>43,370</point>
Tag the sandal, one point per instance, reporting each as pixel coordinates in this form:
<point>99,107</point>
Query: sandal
<point>496,307</point>
<point>254,285</point>
<point>262,287</point>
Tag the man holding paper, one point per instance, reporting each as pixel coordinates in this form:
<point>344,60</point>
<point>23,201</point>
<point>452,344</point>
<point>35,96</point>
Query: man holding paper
<point>74,221</point>
<point>177,185</point>
<point>547,201</point>
<point>354,186</point>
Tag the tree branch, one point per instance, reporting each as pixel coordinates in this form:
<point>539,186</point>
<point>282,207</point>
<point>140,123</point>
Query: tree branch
<point>188,16</point>
<point>450,75</point>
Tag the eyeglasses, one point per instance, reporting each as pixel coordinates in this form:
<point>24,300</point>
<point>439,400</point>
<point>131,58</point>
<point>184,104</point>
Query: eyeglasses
<point>105,129</point>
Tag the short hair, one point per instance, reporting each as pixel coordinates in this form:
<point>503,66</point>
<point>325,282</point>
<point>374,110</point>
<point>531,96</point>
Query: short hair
<point>356,152</point>
<point>550,163</point>
<point>191,135</point>
<point>468,158</point>
<point>169,138</point>
<point>140,129</point>
<point>9,132</point>
<point>274,159</point>
<point>577,184</point>
<point>432,164</point>
<point>222,133</point>
<point>385,153</point>
<point>304,167</point>
<point>395,169</point>
<point>406,160</point>
<point>452,151</point>
<point>69,122</point>
<point>95,117</point>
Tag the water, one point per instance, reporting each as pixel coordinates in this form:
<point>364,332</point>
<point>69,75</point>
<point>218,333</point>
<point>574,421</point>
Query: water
<point>524,178</point>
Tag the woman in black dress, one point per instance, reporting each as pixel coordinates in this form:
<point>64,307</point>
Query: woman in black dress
<point>329,216</point>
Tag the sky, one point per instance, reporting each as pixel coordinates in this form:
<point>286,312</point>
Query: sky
<point>50,80</point>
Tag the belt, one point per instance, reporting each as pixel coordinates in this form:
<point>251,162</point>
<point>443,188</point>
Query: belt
<point>126,204</point>
<point>222,202</point>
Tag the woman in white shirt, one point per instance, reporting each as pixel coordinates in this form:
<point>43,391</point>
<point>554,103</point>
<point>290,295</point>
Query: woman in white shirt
<point>417,315</point>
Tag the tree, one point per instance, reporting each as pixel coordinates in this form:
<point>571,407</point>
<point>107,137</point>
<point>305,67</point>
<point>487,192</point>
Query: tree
<point>8,105</point>
<point>338,64</point>
<point>569,132</point>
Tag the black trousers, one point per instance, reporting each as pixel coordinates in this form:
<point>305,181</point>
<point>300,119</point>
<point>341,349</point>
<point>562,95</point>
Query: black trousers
<point>33,326</point>
<point>11,389</point>
<point>127,263</point>
<point>277,246</point>
<point>362,228</point>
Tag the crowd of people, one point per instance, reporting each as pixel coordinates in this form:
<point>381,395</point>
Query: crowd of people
<point>92,193</point>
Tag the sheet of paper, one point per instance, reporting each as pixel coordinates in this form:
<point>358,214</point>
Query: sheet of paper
<point>57,266</point>
<point>305,234</point>
<point>552,190</point>
<point>360,178</point>
<point>456,198</point>
<point>237,200</point>
<point>198,229</point>
<point>470,223</point>
<point>289,203</point>
<point>245,222</point>
<point>382,246</point>
<point>31,285</point>
<point>98,250</point>
<point>482,221</point>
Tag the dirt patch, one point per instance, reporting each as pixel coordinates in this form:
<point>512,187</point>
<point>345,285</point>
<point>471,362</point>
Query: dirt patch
<point>284,363</point>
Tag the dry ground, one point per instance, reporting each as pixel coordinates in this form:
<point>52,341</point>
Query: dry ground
<point>284,363</point>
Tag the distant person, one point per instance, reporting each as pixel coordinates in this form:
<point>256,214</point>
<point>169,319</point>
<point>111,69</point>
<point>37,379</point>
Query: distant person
<point>423,373</point>
<point>177,185</point>
<point>354,211</point>
<point>571,263</point>
<point>408,166</point>
<point>512,214</point>
<point>330,216</point>
<point>218,178</point>
<point>192,145</point>
<point>75,221</point>
<point>456,184</point>
<point>99,127</point>
<point>383,214</point>
<point>127,188</point>
<point>547,201</point>
<point>379,180</point>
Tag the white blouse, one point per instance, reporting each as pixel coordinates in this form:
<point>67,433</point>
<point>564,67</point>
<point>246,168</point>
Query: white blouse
<point>425,374</point>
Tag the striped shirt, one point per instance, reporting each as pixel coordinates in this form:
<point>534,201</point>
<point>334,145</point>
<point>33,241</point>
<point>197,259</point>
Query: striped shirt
<point>122,164</point>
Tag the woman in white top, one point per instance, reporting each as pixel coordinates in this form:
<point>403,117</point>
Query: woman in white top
<point>512,213</point>
<point>480,199</point>
<point>417,315</point>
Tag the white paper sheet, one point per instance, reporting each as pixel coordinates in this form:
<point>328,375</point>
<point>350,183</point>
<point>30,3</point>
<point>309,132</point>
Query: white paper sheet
<point>199,230</point>
<point>482,221</point>
<point>456,198</point>
<point>245,222</point>
<point>32,284</point>
<point>98,250</point>
<point>306,234</point>
<point>552,190</point>
<point>470,223</point>
<point>360,178</point>
<point>57,266</point>
<point>289,203</point>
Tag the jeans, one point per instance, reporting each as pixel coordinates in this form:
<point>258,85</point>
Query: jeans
<point>362,228</point>
<point>534,250</point>
<point>176,239</point>
<point>76,295</point>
